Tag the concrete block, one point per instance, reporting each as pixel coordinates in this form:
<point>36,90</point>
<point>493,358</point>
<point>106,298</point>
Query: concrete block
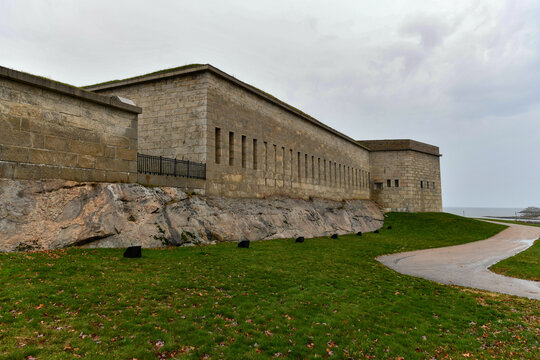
<point>87,161</point>
<point>112,164</point>
<point>126,154</point>
<point>6,170</point>
<point>98,175</point>
<point>115,176</point>
<point>14,153</point>
<point>27,172</point>
<point>50,172</point>
<point>50,157</point>
<point>17,138</point>
<point>56,143</point>
<point>75,174</point>
<point>87,148</point>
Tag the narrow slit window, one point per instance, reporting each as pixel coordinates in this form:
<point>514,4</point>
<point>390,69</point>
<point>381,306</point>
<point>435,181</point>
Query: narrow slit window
<point>244,151</point>
<point>312,168</point>
<point>298,166</point>
<point>330,173</point>
<point>218,145</point>
<point>231,148</point>
<point>283,162</point>
<point>265,156</point>
<point>319,171</point>
<point>255,164</point>
<point>421,184</point>
<point>335,175</point>
<point>324,171</point>
<point>388,183</point>
<point>396,182</point>
<point>305,167</point>
<point>275,160</point>
<point>291,161</point>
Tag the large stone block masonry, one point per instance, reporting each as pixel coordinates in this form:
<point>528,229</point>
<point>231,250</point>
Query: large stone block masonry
<point>51,130</point>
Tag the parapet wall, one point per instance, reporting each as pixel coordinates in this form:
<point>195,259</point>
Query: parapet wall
<point>54,131</point>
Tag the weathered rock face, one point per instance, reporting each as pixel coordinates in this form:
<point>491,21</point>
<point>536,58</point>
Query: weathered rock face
<point>53,214</point>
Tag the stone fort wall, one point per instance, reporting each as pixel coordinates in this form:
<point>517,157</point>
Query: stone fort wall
<point>258,148</point>
<point>53,131</point>
<point>253,145</point>
<point>173,123</point>
<point>406,175</point>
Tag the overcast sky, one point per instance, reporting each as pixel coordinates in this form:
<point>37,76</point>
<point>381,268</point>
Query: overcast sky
<point>462,75</point>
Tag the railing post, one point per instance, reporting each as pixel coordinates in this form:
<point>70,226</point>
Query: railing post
<point>187,175</point>
<point>174,167</point>
<point>160,165</point>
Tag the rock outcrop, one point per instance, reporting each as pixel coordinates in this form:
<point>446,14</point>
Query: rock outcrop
<point>39,215</point>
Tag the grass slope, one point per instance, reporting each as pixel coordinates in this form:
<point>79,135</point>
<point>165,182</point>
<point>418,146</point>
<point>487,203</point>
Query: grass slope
<point>277,299</point>
<point>525,265</point>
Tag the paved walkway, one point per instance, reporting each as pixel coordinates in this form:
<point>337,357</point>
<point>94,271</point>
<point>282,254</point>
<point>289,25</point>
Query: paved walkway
<point>467,264</point>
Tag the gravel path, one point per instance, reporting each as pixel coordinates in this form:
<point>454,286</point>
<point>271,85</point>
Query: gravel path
<point>467,264</point>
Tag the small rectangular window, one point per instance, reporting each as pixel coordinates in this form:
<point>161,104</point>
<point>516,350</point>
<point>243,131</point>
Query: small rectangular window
<point>217,140</point>
<point>378,186</point>
<point>231,148</point>
<point>427,184</point>
<point>255,164</point>
<point>433,185</point>
<point>389,183</point>
<point>421,184</point>
<point>396,182</point>
<point>244,151</point>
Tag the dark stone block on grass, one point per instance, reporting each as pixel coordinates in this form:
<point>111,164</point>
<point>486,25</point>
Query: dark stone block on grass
<point>359,233</point>
<point>133,252</point>
<point>244,244</point>
<point>334,236</point>
<point>376,231</point>
<point>300,239</point>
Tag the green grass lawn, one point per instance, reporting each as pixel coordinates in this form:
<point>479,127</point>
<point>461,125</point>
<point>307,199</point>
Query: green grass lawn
<point>525,265</point>
<point>324,298</point>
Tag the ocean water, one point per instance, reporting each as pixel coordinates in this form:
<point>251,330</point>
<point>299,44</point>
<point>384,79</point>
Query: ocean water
<point>478,212</point>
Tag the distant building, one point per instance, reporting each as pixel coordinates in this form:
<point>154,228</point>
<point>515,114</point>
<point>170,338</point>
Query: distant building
<point>252,144</point>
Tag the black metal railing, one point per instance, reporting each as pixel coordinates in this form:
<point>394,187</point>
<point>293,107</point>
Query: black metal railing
<point>159,165</point>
